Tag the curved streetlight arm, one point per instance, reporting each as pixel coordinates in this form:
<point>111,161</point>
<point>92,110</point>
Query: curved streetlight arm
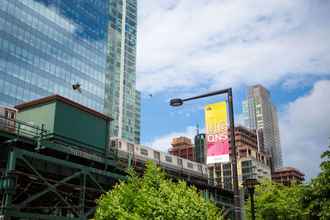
<point>218,92</point>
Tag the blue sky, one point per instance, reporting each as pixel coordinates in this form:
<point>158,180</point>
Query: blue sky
<point>190,47</point>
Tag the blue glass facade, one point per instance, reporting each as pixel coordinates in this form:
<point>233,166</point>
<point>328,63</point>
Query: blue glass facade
<point>123,100</point>
<point>46,46</point>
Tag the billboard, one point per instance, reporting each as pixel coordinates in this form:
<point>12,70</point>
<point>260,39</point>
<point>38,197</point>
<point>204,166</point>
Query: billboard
<point>216,133</point>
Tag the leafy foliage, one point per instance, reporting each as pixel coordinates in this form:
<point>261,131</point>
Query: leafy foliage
<point>154,197</point>
<point>317,196</point>
<point>310,201</point>
<point>276,201</point>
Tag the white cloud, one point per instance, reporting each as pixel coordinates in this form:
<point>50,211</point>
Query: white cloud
<point>163,143</point>
<point>305,129</point>
<point>184,44</point>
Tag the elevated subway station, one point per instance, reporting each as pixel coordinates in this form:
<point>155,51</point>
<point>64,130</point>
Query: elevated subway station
<point>56,160</point>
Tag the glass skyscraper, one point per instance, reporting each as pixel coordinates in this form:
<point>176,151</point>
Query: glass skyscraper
<point>49,45</point>
<point>46,46</point>
<point>123,101</point>
<point>260,114</point>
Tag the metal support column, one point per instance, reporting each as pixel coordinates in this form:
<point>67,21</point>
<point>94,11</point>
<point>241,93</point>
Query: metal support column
<point>82,195</point>
<point>10,183</point>
<point>233,156</point>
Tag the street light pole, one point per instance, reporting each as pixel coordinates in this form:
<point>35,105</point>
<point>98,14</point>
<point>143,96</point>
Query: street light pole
<point>178,102</point>
<point>233,155</point>
<point>250,184</point>
<point>252,204</point>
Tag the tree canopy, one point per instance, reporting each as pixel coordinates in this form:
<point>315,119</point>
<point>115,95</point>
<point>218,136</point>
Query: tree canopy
<point>154,196</point>
<point>306,201</point>
<point>317,195</point>
<point>276,201</point>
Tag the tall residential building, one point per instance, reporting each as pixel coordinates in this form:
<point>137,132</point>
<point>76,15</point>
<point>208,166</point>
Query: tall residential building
<point>251,163</point>
<point>260,114</point>
<point>123,100</point>
<point>47,46</point>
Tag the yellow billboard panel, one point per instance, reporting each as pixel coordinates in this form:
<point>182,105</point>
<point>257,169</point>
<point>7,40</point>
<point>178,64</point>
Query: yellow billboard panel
<point>217,133</point>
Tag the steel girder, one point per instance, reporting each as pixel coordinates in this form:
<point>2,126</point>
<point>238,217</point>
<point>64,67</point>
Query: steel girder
<point>32,192</point>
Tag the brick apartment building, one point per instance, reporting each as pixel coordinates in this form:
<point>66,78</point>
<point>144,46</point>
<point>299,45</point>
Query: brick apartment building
<point>182,147</point>
<point>288,175</point>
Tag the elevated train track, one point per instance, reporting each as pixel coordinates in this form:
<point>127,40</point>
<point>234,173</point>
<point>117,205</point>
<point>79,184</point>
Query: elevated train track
<point>43,177</point>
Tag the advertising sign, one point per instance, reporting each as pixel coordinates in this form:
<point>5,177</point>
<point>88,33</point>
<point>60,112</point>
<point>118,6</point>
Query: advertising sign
<point>217,133</point>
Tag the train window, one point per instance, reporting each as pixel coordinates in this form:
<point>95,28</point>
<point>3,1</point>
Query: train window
<point>144,152</point>
<point>179,161</point>
<point>156,155</point>
<point>200,168</point>
<point>12,115</point>
<point>6,114</point>
<point>168,158</point>
<point>190,165</point>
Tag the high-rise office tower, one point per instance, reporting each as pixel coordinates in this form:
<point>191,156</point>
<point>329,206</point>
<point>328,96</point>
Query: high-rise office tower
<point>123,100</point>
<point>50,46</point>
<point>46,46</point>
<point>260,114</point>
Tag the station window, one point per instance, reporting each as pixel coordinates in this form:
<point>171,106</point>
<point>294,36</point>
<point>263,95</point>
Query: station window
<point>190,165</point>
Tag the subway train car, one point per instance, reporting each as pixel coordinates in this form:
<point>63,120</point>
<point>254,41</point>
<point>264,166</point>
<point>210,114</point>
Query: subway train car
<point>124,149</point>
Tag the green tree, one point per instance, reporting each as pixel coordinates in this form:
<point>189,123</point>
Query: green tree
<point>275,201</point>
<point>153,196</point>
<point>310,201</point>
<point>317,196</point>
